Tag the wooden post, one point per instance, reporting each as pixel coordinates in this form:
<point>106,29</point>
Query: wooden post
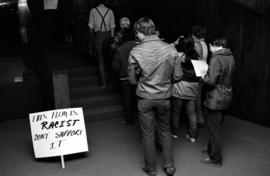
<point>62,162</point>
<point>61,89</point>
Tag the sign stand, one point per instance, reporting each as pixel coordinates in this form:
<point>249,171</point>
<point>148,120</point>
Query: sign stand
<point>62,162</point>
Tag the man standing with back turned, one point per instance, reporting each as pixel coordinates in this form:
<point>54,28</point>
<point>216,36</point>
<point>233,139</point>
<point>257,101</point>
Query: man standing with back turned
<point>156,65</point>
<point>101,24</point>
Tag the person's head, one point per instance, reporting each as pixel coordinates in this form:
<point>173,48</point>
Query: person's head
<point>186,45</point>
<point>198,32</point>
<point>217,43</point>
<point>124,22</point>
<point>101,1</point>
<point>128,35</point>
<point>144,27</point>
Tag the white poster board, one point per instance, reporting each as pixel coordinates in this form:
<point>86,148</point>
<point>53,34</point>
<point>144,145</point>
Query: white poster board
<point>50,4</point>
<point>58,132</point>
<point>200,67</point>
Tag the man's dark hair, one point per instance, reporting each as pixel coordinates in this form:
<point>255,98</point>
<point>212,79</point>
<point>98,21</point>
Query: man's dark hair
<point>186,45</point>
<point>199,32</point>
<point>145,26</point>
<point>219,41</point>
<point>101,1</point>
<point>128,35</point>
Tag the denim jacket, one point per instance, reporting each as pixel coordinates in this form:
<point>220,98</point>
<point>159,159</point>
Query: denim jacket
<point>218,78</point>
<point>153,66</point>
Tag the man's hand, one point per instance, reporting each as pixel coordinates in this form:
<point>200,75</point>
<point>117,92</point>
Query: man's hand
<point>203,73</point>
<point>177,40</point>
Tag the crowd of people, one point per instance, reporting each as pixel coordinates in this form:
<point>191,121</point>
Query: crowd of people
<point>160,78</point>
<point>157,78</point>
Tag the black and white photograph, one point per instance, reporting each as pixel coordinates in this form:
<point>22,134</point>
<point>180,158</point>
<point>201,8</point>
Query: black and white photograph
<point>135,88</point>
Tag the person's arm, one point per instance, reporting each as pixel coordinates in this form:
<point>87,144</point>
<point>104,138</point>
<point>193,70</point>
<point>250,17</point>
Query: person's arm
<point>213,72</point>
<point>116,61</point>
<point>176,42</point>
<point>182,57</point>
<point>177,70</point>
<point>91,31</point>
<point>91,22</point>
<point>132,70</point>
<point>112,23</point>
<point>197,48</point>
<point>91,41</point>
<point>112,32</point>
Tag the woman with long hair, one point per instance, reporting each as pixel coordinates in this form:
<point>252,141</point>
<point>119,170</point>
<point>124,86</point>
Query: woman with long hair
<point>186,91</point>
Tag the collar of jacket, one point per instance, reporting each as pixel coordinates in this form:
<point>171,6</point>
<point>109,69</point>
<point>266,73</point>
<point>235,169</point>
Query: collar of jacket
<point>198,40</point>
<point>224,51</point>
<point>150,38</point>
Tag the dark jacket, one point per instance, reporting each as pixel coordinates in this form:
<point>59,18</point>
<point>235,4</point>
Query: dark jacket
<point>120,62</point>
<point>218,79</point>
<point>189,74</point>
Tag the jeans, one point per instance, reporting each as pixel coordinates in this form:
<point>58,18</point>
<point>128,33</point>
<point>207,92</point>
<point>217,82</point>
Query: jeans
<point>154,115</point>
<point>198,106</point>
<point>128,101</point>
<point>176,111</point>
<point>214,120</point>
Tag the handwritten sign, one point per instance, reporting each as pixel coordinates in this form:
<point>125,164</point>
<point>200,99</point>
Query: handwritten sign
<point>58,132</point>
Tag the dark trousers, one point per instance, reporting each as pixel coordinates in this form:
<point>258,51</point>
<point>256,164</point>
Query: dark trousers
<point>214,120</point>
<point>154,115</point>
<point>52,27</point>
<point>198,106</point>
<point>176,111</point>
<point>100,38</point>
<point>79,31</point>
<point>128,101</point>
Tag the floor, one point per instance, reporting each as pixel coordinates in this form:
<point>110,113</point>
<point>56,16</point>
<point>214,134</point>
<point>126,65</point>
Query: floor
<point>115,150</point>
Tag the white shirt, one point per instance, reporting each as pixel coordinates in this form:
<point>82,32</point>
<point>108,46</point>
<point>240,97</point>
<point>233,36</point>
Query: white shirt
<point>95,20</point>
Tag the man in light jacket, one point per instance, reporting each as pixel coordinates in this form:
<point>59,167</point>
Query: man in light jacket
<point>154,65</point>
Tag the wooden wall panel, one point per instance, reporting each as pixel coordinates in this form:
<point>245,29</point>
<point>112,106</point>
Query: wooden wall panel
<point>250,42</point>
<point>260,6</point>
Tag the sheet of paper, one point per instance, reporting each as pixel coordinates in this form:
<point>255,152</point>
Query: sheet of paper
<point>200,67</point>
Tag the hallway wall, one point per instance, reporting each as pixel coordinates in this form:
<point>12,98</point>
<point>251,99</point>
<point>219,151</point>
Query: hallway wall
<point>247,32</point>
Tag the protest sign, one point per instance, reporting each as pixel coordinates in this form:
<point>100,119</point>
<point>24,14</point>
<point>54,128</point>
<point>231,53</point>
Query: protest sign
<point>58,132</point>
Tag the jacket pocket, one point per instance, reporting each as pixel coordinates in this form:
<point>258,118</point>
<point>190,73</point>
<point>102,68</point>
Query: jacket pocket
<point>219,98</point>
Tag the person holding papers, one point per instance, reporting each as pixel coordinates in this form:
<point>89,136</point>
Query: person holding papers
<point>198,35</point>
<point>185,91</point>
<point>218,97</point>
